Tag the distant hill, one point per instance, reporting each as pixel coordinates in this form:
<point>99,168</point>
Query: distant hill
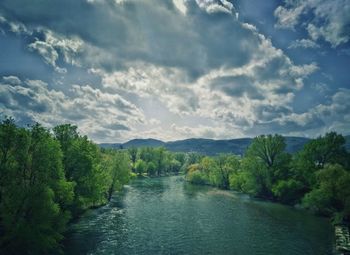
<point>207,146</point>
<point>143,143</point>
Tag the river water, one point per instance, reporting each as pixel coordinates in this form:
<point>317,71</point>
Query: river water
<point>169,216</point>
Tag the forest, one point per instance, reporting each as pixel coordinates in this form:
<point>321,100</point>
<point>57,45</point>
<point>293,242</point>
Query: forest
<point>316,178</point>
<point>49,177</point>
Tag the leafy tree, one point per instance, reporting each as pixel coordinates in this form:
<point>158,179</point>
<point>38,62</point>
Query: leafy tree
<point>8,132</point>
<point>265,163</point>
<point>133,155</point>
<point>35,194</point>
<point>288,191</point>
<point>331,194</point>
<point>194,175</point>
<point>255,177</point>
<point>226,165</point>
<point>118,166</point>
<point>151,168</point>
<point>83,167</point>
<point>140,166</point>
<point>329,149</point>
<point>267,148</point>
<point>36,200</point>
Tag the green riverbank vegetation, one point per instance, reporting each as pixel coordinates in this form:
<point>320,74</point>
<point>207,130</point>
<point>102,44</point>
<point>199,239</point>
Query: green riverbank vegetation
<point>47,178</point>
<point>159,161</point>
<point>316,178</point>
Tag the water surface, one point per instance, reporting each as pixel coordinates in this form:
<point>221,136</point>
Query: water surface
<point>169,216</point>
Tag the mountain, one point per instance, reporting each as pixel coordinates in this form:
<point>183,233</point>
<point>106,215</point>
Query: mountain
<point>207,146</point>
<point>110,145</point>
<point>143,143</point>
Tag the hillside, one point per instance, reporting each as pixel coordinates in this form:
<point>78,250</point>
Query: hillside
<point>206,146</point>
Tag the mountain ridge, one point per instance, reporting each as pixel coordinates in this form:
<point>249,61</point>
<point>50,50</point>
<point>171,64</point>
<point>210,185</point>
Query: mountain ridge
<point>209,146</point>
<point>204,145</point>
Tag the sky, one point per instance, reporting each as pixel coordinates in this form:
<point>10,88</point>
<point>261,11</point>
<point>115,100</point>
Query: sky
<point>177,69</point>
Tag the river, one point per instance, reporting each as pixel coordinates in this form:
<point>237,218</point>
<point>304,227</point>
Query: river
<point>169,216</point>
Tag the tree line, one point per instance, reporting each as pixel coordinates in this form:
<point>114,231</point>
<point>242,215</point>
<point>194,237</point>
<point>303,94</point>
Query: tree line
<point>47,178</point>
<point>317,177</point>
<point>159,161</point>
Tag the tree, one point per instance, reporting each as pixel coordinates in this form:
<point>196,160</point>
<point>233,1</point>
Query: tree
<point>140,167</point>
<point>7,149</point>
<point>151,168</point>
<point>35,194</point>
<point>66,134</point>
<point>266,163</point>
<point>226,165</point>
<point>255,179</point>
<point>117,165</point>
<point>194,175</point>
<point>328,149</point>
<point>83,166</point>
<point>41,186</point>
<point>133,155</point>
<point>160,159</point>
<point>331,194</point>
<point>267,148</point>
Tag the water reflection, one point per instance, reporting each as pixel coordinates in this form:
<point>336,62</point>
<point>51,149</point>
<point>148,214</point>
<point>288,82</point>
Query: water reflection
<point>169,216</point>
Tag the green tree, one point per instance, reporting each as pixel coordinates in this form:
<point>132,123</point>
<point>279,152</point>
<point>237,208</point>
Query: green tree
<point>118,166</point>
<point>331,194</point>
<point>35,193</point>
<point>265,163</point>
<point>140,167</point>
<point>226,165</point>
<point>83,167</point>
<point>133,155</point>
<point>329,149</point>
<point>151,168</point>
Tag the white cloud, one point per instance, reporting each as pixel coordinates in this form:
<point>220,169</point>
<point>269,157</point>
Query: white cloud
<point>90,108</point>
<point>216,6</point>
<point>330,20</point>
<point>180,5</point>
<point>241,97</point>
<point>303,43</point>
<point>288,18</point>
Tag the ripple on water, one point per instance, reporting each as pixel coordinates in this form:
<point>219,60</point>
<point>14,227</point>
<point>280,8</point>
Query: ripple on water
<point>169,216</point>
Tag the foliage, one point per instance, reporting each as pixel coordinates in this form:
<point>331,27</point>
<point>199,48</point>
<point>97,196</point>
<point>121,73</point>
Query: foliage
<point>318,176</point>
<point>156,161</point>
<point>332,193</point>
<point>45,179</point>
<point>214,171</point>
<point>140,166</point>
<point>34,191</point>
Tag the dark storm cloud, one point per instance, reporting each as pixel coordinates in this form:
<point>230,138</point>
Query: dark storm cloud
<point>150,31</point>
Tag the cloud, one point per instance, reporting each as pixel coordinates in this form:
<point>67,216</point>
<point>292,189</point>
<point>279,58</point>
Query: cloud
<point>303,43</point>
<point>289,18</point>
<point>326,117</point>
<point>329,20</point>
<point>93,110</point>
<point>216,6</point>
<point>180,5</point>
<point>164,69</point>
